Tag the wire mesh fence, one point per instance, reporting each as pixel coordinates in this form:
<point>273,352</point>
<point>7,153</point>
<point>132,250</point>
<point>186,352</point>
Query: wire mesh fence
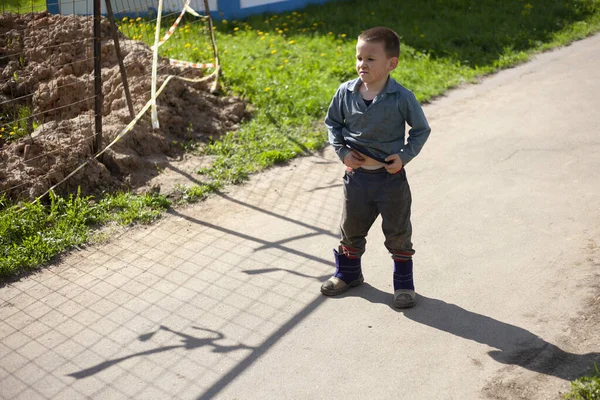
<point>49,106</point>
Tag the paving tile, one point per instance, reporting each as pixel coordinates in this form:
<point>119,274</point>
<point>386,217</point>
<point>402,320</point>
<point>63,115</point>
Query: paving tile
<point>70,308</point>
<point>11,386</point>
<point>104,326</point>
<point>28,394</point>
<point>30,373</point>
<point>87,337</point>
<point>22,300</point>
<point>183,294</point>
<point>68,393</point>
<point>86,317</point>
<point>120,315</point>
<point>152,295</point>
<point>130,385</point>
<point>165,287</point>
<point>32,349</point>
<point>86,298</point>
<point>14,361</point>
<point>51,338</point>
<point>88,386</point>
<point>154,393</point>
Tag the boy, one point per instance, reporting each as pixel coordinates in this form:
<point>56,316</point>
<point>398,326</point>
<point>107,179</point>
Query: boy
<point>366,124</point>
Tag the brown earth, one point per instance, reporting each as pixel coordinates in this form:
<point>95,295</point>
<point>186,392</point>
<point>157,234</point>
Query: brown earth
<point>46,64</point>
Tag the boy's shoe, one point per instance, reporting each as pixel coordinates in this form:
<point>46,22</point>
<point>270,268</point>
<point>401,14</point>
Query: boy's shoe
<point>405,298</point>
<point>347,274</point>
<point>334,286</point>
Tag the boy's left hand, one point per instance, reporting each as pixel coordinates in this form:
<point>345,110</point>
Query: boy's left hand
<point>395,165</point>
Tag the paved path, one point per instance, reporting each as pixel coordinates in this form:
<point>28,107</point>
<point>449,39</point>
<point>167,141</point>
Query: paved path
<point>221,300</point>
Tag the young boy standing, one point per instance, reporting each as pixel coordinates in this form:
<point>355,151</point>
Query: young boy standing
<point>366,124</point>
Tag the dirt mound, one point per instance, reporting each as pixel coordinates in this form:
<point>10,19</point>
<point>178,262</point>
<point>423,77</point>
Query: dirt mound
<point>46,67</point>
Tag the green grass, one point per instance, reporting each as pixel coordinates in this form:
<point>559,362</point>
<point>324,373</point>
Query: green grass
<point>288,67</point>
<point>586,388</point>
<point>32,234</point>
<point>22,6</point>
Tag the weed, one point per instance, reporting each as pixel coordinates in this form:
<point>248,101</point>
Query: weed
<point>586,388</point>
<point>21,124</point>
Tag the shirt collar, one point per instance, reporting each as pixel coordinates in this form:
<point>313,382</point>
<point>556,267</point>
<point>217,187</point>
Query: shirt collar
<point>391,85</point>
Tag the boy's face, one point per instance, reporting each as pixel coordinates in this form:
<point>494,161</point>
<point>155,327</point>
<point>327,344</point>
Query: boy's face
<point>372,63</point>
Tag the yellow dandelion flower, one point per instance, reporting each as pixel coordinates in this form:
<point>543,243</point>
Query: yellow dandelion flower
<point>252,67</point>
<point>281,66</point>
<point>331,33</point>
<point>286,61</point>
<point>260,33</point>
<point>195,49</point>
<point>124,19</point>
<point>262,38</point>
<point>187,45</point>
<point>236,29</point>
<point>291,42</point>
<point>11,133</point>
<point>273,51</point>
<point>267,89</point>
<point>343,35</point>
<point>138,19</point>
<point>322,54</point>
<point>280,31</point>
<point>2,129</point>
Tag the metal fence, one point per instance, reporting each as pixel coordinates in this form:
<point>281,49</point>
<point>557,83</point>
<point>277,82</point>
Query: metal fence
<point>74,91</point>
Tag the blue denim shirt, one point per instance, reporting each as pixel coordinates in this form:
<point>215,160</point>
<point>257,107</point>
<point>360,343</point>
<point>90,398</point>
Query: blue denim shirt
<point>378,130</point>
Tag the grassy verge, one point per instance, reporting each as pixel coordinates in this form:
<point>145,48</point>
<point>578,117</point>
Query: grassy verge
<point>289,65</point>
<point>586,388</point>
<point>32,234</point>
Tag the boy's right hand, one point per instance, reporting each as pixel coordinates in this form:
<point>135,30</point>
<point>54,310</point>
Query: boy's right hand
<point>353,159</point>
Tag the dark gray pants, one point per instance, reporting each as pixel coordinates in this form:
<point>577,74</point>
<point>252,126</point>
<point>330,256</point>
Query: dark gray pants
<point>368,194</point>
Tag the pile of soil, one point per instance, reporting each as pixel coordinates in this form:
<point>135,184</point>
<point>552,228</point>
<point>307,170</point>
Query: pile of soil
<point>51,57</point>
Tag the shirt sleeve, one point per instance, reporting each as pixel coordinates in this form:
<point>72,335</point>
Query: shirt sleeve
<point>335,123</point>
<point>419,128</point>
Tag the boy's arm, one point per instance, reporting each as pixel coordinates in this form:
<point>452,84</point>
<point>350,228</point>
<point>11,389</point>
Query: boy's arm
<point>419,131</point>
<point>335,125</point>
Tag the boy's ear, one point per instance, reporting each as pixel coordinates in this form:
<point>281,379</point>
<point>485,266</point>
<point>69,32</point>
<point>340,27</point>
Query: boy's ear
<point>393,63</point>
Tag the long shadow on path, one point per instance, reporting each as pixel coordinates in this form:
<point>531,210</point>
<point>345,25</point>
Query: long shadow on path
<point>515,345</point>
<point>188,342</point>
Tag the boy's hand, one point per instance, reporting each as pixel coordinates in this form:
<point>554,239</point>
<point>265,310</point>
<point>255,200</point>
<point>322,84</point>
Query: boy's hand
<point>395,165</point>
<point>353,159</point>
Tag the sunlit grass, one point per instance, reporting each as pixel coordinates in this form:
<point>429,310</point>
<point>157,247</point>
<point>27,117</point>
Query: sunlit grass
<point>22,6</point>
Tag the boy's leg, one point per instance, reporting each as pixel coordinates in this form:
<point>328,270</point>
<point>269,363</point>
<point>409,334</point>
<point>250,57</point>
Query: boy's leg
<point>359,213</point>
<point>394,204</point>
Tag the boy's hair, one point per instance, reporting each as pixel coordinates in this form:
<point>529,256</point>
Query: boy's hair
<point>380,34</point>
